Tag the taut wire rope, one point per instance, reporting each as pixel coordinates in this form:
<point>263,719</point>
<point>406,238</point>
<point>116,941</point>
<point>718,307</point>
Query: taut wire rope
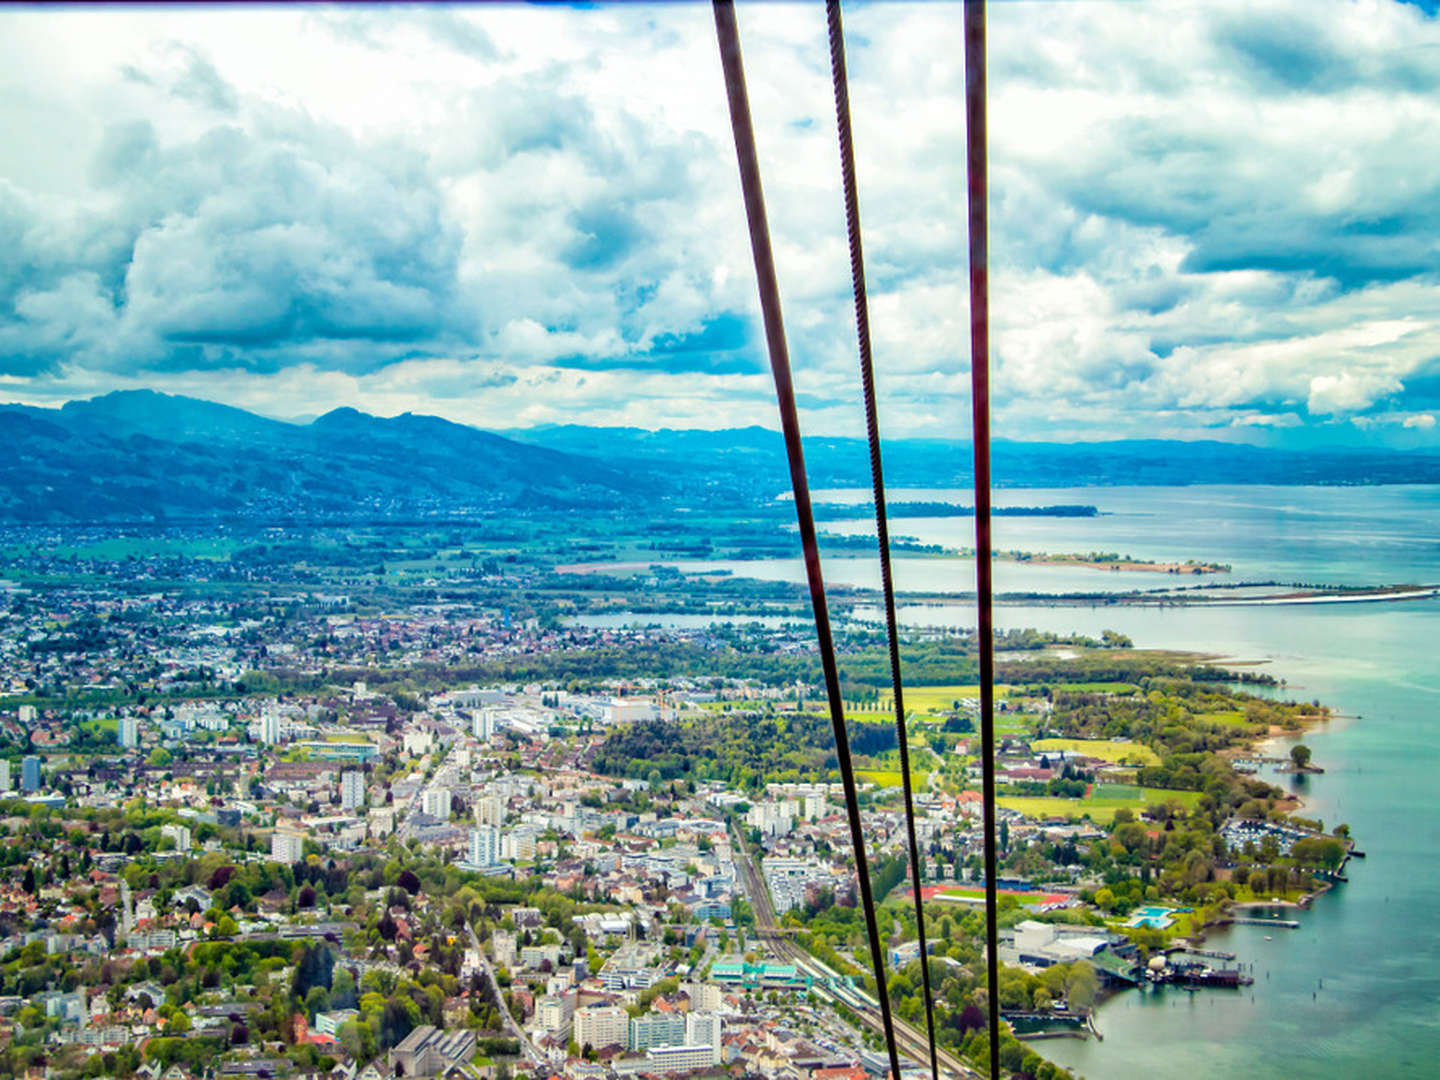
<point>728,34</point>
<point>976,192</point>
<point>877,479</point>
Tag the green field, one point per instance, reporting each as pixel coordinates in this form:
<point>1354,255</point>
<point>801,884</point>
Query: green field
<point>1233,718</point>
<point>938,698</point>
<point>891,778</point>
<point>1100,805</point>
<point>1098,687</point>
<point>1124,753</point>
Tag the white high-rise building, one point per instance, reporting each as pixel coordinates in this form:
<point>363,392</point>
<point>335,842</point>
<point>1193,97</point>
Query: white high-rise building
<point>128,732</point>
<point>352,789</point>
<point>482,725</point>
<point>489,810</point>
<point>484,846</point>
<point>27,715</point>
<point>180,834</point>
<point>7,782</point>
<point>704,1029</point>
<point>435,802</point>
<point>269,728</point>
<point>287,847</point>
<point>599,1026</point>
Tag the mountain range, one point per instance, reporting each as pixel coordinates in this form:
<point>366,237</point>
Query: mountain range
<point>145,456</point>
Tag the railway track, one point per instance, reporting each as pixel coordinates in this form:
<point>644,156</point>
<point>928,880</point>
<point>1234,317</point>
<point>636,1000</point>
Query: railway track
<point>911,1042</point>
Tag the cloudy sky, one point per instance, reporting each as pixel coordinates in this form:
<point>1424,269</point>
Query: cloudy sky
<point>1216,220</point>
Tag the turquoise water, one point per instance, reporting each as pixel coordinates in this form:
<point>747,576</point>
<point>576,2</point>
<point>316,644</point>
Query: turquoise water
<point>1356,989</point>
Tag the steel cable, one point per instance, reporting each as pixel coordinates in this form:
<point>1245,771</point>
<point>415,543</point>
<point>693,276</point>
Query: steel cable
<point>975,173</point>
<point>877,478</point>
<point>728,35</point>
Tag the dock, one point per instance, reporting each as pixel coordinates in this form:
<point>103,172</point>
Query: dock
<point>1209,954</point>
<point>1288,924</point>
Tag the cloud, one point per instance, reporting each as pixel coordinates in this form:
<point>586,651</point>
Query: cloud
<point>1213,220</point>
<point>1348,393</point>
<point>1423,421</point>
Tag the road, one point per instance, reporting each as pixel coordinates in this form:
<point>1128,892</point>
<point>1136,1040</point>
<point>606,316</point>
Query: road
<point>910,1041</point>
<point>531,1053</point>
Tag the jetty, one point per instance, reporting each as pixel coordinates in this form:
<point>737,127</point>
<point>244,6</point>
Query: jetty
<point>1209,954</point>
<point>1244,920</point>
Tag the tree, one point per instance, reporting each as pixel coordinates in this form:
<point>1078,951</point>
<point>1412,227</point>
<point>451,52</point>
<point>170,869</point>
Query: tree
<point>1300,755</point>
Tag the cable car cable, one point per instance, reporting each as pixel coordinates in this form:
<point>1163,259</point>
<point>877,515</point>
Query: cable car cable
<point>975,176</point>
<point>728,35</point>
<point>877,478</point>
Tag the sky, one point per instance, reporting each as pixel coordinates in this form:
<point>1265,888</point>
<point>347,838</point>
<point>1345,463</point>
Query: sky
<point>1213,220</point>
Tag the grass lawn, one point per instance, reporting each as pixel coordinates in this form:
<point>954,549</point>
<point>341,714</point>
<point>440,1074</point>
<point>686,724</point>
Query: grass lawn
<point>1234,718</point>
<point>927,698</point>
<point>1119,752</point>
<point>1101,804</point>
<point>1097,687</point>
<point>919,781</point>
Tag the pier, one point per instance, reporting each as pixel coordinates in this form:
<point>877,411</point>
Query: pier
<point>1209,954</point>
<point>1288,924</point>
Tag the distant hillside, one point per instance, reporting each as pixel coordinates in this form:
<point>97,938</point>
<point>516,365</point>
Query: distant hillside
<point>141,456</point>
<point>146,456</point>
<point>757,456</point>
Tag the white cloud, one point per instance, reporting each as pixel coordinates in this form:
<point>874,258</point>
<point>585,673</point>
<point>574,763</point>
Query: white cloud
<point>1348,393</point>
<point>1205,218</point>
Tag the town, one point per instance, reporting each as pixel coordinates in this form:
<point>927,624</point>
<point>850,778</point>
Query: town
<point>308,832</point>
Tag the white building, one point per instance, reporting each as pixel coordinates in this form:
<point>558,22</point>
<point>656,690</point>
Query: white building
<point>484,846</point>
<point>180,834</point>
<point>7,782</point>
<point>704,1029</point>
<point>128,732</point>
<point>287,847</point>
<point>269,728</point>
<point>27,715</point>
<point>599,1026</point>
<point>490,810</point>
<point>627,710</point>
<point>352,789</point>
<point>482,725</point>
<point>435,802</point>
<point>553,1012</point>
<point>519,844</point>
<point>682,1058</point>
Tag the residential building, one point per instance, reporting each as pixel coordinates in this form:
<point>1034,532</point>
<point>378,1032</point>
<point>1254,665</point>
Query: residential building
<point>599,1026</point>
<point>26,715</point>
<point>482,724</point>
<point>484,846</point>
<point>352,789</point>
<point>287,847</point>
<point>657,1029</point>
<point>328,1023</point>
<point>128,732</point>
<point>682,1058</point>
<point>553,1012</point>
<point>435,802</point>
<point>30,774</point>
<point>489,810</point>
<point>180,834</point>
<point>704,1029</point>
<point>269,728</point>
<point>7,782</point>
